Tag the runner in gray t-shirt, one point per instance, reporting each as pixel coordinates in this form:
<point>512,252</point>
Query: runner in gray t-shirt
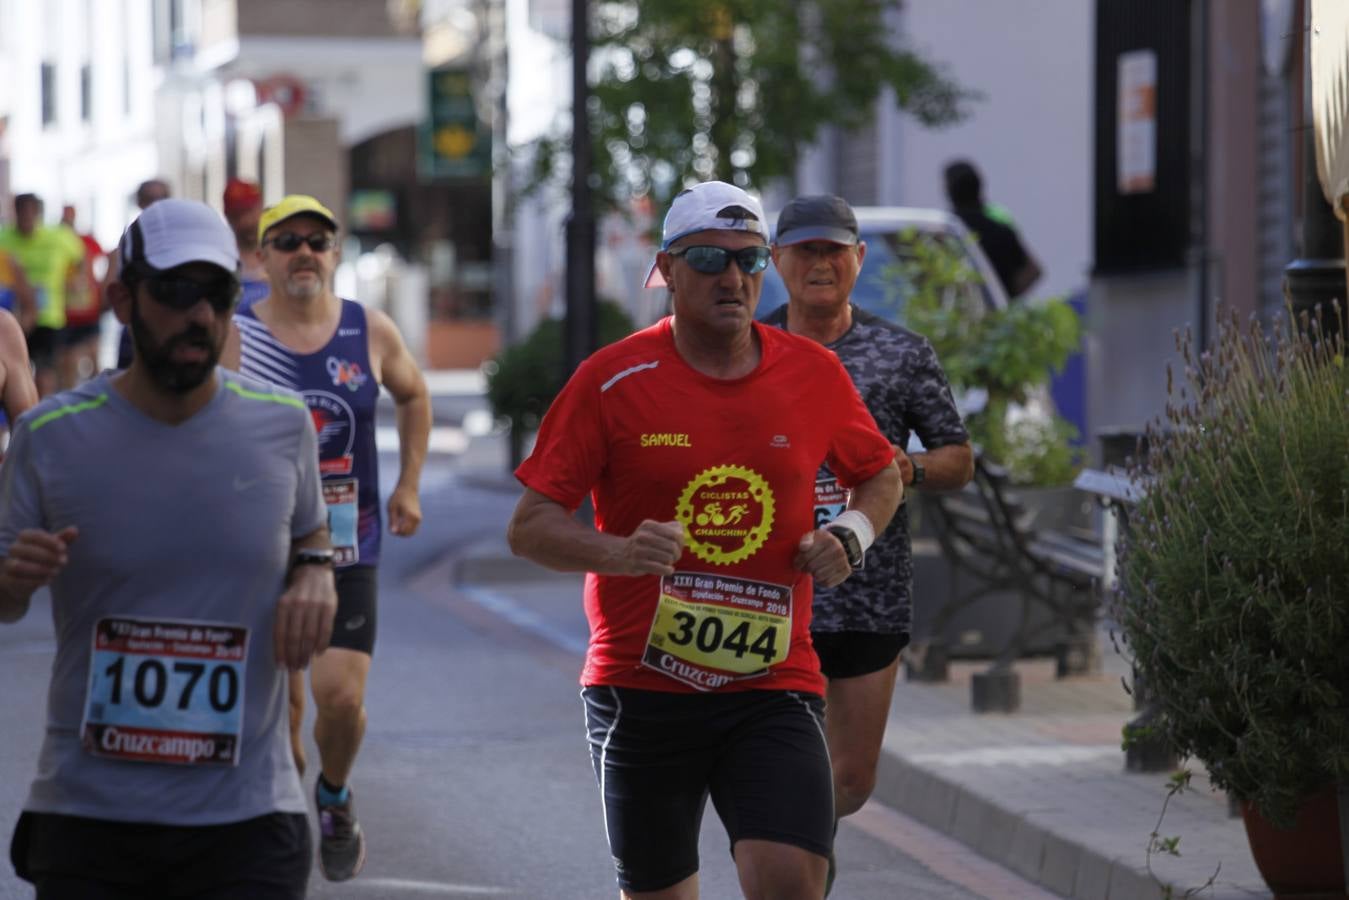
<point>181,595</point>
<point>860,627</point>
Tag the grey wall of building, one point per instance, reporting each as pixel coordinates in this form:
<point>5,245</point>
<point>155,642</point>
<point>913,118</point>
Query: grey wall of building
<point>314,164</point>
<point>320,18</point>
<point>1130,324</point>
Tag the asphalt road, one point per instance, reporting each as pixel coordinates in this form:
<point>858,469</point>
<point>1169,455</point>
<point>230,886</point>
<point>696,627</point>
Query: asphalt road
<point>474,780</point>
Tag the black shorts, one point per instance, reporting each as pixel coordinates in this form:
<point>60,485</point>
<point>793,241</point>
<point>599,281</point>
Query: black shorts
<point>78,334</point>
<point>761,755</point>
<point>354,624</point>
<point>73,858</point>
<point>849,654</point>
<point>43,345</point>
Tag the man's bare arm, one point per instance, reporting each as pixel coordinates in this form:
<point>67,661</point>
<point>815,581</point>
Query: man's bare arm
<point>878,497</point>
<point>19,393</point>
<point>398,373</point>
<point>947,468</point>
<point>33,560</point>
<point>543,531</point>
<point>400,376</point>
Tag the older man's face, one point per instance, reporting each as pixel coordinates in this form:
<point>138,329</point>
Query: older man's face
<point>819,274</point>
<point>721,303</point>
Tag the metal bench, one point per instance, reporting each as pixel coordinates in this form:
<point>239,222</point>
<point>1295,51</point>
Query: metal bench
<point>987,536</point>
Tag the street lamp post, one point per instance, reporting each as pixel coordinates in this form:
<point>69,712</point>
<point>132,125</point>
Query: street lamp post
<point>580,321</point>
<point>1317,276</point>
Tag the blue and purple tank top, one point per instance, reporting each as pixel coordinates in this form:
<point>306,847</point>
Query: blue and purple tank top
<point>340,391</point>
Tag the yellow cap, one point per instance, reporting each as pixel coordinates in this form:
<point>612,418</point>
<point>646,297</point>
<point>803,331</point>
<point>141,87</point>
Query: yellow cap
<point>293,205</point>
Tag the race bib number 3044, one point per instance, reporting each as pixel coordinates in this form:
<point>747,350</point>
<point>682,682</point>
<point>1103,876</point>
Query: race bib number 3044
<point>166,691</point>
<point>710,630</point>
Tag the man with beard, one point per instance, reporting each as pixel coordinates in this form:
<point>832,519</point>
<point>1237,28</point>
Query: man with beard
<point>337,354</point>
<point>188,571</point>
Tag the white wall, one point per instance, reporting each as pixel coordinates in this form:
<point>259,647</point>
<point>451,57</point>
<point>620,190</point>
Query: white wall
<point>369,86</point>
<point>97,164</point>
<point>1031,135</point>
<point>1129,335</point>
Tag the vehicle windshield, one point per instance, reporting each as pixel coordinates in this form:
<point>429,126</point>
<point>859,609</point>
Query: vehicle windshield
<point>887,279</point>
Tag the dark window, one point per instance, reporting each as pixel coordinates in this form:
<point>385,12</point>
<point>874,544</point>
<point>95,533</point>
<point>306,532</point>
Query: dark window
<point>86,92</point>
<point>48,93</point>
<point>1144,228</point>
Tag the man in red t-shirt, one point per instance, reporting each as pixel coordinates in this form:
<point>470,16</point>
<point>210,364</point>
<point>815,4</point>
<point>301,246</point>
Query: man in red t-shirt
<point>699,439</point>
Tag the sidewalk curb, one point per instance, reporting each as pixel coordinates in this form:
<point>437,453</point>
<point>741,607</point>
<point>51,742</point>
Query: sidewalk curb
<point>1007,837</point>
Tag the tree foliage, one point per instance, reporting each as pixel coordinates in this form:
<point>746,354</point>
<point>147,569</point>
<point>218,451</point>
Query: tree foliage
<point>690,90</point>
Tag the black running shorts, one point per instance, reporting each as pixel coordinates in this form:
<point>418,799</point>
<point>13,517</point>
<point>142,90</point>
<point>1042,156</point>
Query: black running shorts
<point>44,344</point>
<point>761,755</point>
<point>354,624</point>
<point>73,858</point>
<point>849,654</point>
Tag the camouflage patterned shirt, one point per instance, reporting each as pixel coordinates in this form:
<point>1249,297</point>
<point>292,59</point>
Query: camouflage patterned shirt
<point>898,375</point>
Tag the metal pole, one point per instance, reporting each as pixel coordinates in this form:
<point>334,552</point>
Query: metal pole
<point>580,324</point>
<point>1317,276</point>
<point>1199,186</point>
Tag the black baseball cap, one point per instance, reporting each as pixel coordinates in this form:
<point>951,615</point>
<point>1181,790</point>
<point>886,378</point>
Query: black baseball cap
<point>817,217</point>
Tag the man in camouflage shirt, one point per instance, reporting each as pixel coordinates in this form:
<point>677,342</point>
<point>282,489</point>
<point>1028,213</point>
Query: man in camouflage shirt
<point>860,627</point>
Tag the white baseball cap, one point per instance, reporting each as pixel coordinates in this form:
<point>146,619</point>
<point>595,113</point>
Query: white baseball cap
<point>173,232</point>
<point>712,205</point>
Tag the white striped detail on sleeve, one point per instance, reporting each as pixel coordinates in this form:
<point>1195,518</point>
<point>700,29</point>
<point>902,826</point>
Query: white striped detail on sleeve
<point>625,373</point>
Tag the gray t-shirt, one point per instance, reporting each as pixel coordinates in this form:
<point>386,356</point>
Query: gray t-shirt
<point>902,383</point>
<point>165,703</point>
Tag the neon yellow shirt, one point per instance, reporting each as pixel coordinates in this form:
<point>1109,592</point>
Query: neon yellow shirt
<point>46,256</point>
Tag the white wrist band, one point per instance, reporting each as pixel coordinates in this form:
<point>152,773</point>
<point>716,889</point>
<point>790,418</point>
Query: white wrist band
<point>857,522</point>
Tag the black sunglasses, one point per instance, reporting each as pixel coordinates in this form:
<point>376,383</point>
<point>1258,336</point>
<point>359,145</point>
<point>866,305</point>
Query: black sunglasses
<point>182,293</point>
<point>714,260</point>
<point>289,241</point>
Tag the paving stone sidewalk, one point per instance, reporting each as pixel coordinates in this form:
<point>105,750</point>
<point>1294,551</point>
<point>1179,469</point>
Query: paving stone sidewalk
<point>1044,790</point>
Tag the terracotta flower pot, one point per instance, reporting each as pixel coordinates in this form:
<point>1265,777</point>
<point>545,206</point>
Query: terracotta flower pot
<point>1303,862</point>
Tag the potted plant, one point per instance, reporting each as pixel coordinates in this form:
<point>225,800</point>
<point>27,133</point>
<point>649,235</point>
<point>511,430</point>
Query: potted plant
<point>1233,600</point>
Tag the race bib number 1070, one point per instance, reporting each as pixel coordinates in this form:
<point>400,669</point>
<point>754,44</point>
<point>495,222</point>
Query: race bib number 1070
<point>166,691</point>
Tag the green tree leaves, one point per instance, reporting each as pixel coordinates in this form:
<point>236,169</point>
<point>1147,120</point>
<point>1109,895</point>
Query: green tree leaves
<point>690,90</point>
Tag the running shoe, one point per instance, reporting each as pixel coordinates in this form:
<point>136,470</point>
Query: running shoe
<point>341,841</point>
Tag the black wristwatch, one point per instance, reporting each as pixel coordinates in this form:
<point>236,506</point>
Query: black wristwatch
<point>851,545</point>
<point>919,473</point>
<point>314,556</point>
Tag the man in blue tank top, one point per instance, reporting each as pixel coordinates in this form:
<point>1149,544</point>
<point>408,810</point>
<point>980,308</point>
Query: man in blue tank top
<point>337,354</point>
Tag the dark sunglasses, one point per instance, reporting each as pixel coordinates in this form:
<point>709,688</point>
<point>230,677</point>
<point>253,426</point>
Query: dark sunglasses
<point>289,242</point>
<point>182,293</point>
<point>714,260</point>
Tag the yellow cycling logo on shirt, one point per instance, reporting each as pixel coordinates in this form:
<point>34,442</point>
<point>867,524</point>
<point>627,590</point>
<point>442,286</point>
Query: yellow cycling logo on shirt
<point>727,513</point>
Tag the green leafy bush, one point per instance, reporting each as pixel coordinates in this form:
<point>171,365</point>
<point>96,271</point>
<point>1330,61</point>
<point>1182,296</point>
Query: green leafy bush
<point>1008,352</point>
<point>1233,598</point>
<point>524,378</point>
